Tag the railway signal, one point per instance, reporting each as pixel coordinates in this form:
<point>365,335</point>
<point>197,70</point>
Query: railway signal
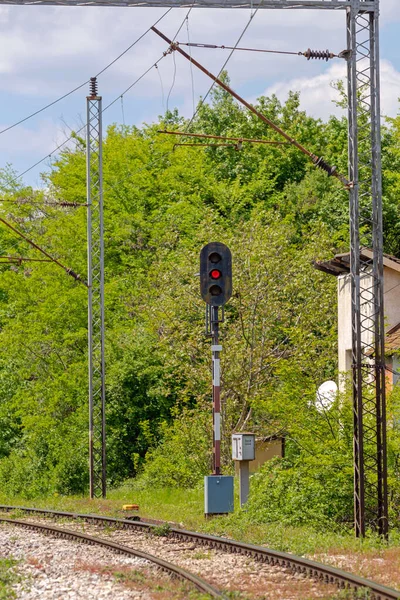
<point>216,274</point>
<point>216,289</point>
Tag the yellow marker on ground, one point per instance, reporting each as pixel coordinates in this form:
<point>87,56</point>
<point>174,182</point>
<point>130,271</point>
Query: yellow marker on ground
<point>130,507</point>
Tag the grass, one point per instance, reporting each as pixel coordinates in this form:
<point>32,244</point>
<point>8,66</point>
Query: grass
<point>185,507</point>
<point>8,576</point>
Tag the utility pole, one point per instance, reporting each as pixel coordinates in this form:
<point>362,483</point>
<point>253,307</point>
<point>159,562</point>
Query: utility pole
<point>368,329</point>
<point>95,257</point>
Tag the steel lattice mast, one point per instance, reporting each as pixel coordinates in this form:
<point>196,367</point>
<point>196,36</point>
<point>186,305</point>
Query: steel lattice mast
<point>95,255</point>
<point>368,331</point>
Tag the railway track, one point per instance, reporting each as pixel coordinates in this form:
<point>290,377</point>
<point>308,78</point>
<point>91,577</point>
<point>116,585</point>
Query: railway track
<point>172,569</point>
<point>295,564</point>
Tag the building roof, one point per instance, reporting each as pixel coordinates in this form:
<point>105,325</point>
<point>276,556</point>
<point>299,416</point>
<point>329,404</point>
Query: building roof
<point>392,341</point>
<point>340,263</point>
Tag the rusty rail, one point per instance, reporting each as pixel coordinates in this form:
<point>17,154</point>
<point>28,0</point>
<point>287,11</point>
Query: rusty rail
<point>296,564</point>
<point>202,585</point>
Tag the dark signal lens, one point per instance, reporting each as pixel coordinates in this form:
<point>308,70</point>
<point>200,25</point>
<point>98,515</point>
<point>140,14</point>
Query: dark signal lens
<point>215,290</point>
<point>214,257</point>
<point>215,274</point>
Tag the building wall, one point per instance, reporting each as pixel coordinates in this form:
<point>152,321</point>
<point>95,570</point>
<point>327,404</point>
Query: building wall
<point>392,314</point>
<point>264,452</point>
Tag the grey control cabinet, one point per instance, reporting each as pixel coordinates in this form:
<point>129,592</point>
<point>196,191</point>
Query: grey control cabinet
<point>243,446</point>
<point>218,494</point>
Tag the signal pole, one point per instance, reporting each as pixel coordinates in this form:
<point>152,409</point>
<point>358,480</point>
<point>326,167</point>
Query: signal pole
<point>95,258</point>
<point>216,349</point>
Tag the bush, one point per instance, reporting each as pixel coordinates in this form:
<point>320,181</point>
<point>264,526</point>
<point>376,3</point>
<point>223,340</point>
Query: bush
<point>314,490</point>
<point>183,456</point>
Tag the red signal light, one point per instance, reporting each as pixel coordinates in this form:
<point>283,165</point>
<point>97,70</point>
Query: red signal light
<point>215,274</point>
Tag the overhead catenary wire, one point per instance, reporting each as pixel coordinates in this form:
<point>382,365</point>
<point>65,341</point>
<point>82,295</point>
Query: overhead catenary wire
<point>223,137</point>
<point>20,259</point>
<point>50,154</point>
<point>202,100</point>
<point>71,137</point>
<point>191,67</point>
<point>317,160</point>
<point>80,86</point>
<point>19,233</point>
<point>69,271</point>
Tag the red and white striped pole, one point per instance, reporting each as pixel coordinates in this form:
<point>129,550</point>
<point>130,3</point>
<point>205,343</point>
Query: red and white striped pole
<point>216,349</point>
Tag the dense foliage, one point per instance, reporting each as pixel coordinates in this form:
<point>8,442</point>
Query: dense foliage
<point>277,214</point>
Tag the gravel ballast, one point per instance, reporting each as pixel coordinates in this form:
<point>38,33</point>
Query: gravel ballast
<point>225,571</point>
<point>52,568</point>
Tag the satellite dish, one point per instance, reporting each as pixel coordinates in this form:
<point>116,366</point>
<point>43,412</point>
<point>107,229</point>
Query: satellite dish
<point>326,396</point>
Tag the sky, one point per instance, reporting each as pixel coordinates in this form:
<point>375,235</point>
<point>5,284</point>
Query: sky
<point>47,51</point>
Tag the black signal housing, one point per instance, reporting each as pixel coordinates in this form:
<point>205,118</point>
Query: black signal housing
<point>216,274</point>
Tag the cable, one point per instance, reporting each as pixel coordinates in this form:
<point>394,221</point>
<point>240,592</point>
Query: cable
<point>174,38</point>
<point>162,88</point>
<point>104,109</point>
<point>40,110</point>
<point>51,258</point>
<point>191,66</point>
<point>202,100</point>
<point>154,65</point>
<point>173,80</point>
<point>122,110</point>
<point>49,155</point>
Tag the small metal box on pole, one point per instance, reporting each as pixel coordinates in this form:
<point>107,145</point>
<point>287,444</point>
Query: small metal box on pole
<point>244,450</point>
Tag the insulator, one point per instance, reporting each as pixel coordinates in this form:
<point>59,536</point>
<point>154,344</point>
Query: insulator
<point>73,274</point>
<point>93,86</point>
<point>318,54</point>
<point>322,164</point>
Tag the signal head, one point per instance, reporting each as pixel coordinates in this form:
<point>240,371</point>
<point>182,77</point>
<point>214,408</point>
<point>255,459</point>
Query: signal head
<point>216,274</point>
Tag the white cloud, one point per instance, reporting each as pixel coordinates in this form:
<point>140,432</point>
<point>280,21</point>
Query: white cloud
<point>318,94</point>
<point>25,141</point>
<point>45,50</point>
<point>390,10</point>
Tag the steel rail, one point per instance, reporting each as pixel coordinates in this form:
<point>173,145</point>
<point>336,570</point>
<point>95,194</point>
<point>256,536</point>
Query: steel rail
<point>297,564</point>
<point>202,585</point>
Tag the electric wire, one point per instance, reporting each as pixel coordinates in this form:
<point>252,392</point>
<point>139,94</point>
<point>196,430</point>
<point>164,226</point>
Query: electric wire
<point>202,100</point>
<point>20,234</point>
<point>50,154</point>
<point>129,87</point>
<point>173,80</point>
<point>174,38</point>
<point>68,139</point>
<point>69,271</point>
<point>122,110</point>
<point>40,110</point>
<point>162,88</point>
<point>191,66</point>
